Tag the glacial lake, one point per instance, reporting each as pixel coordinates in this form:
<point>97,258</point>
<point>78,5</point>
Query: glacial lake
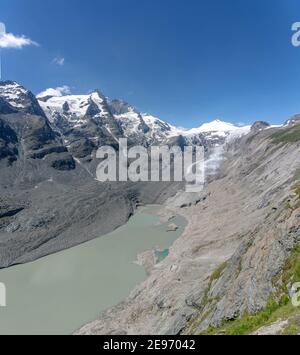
<point>58,294</point>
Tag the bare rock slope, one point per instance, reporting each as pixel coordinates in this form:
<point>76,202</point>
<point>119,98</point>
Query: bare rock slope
<point>232,269</point>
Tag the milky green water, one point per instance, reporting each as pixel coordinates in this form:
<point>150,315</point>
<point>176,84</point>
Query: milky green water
<point>60,293</point>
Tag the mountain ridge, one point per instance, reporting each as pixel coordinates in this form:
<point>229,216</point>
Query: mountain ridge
<point>86,122</point>
<point>120,108</point>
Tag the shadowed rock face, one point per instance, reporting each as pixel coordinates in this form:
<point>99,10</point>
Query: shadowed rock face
<point>25,132</point>
<point>259,126</point>
<point>5,107</point>
<point>28,138</point>
<point>119,107</point>
<point>177,141</point>
<point>8,142</point>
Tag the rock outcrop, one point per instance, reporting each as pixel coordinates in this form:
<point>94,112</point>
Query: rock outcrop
<point>259,126</point>
<point>293,120</point>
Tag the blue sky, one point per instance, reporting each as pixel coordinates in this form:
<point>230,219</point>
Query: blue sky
<point>186,61</point>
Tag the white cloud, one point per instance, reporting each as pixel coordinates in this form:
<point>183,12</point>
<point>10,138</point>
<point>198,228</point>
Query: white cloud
<point>9,40</point>
<point>58,92</point>
<point>59,61</point>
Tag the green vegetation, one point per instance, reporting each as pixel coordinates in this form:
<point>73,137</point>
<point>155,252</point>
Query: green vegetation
<point>288,135</point>
<point>249,323</point>
<point>292,329</point>
<point>274,310</point>
<point>293,202</point>
<point>218,273</point>
<point>214,277</point>
<point>291,271</point>
<point>297,191</point>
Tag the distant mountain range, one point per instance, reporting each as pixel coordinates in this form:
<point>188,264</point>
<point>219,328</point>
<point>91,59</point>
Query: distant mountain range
<point>119,119</point>
<point>85,122</point>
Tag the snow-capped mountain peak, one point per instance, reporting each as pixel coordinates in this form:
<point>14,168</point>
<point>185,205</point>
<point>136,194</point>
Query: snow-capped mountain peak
<point>90,118</point>
<point>215,126</point>
<point>11,92</point>
<point>86,122</point>
<point>77,105</point>
<point>216,132</point>
<point>73,107</point>
<point>140,127</point>
<point>20,98</point>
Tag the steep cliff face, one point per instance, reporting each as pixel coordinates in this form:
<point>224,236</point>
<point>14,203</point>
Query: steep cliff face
<point>234,258</point>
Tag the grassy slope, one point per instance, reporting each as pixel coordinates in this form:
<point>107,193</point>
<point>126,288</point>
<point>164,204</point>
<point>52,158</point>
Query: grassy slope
<point>287,135</point>
<point>274,310</point>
